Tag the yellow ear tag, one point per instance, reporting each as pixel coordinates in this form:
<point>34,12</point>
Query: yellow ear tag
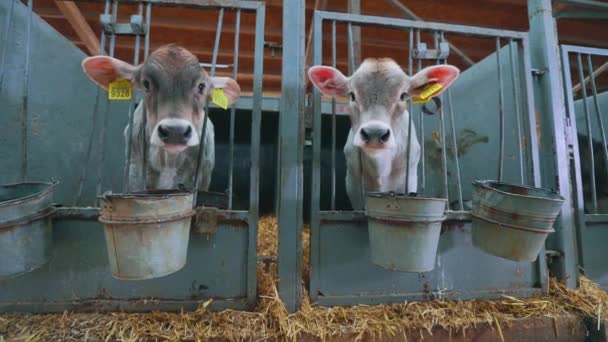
<point>219,98</point>
<point>427,93</point>
<point>120,89</point>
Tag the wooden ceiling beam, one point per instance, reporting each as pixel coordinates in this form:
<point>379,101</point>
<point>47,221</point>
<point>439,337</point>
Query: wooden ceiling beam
<point>80,25</point>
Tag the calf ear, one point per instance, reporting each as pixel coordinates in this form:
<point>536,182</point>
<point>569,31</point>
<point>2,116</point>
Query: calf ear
<point>445,75</point>
<point>104,69</point>
<point>330,81</point>
<point>232,90</point>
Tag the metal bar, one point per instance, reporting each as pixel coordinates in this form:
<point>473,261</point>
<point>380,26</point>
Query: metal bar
<point>217,4</point>
<point>131,114</point>
<point>530,124</point>
<point>83,172</point>
<point>333,121</point>
<point>426,26</point>
<point>410,69</point>
<point>201,148</point>
<point>413,15</point>
<point>585,50</point>
<point>148,29</point>
<point>444,153</point>
<point>233,111</point>
<point>144,171</point>
<point>585,3</point>
<point>354,7</point>
<point>26,91</point>
<point>516,104</point>
<point>5,40</point>
<point>456,158</point>
<point>589,134</point>
<point>351,66</point>
<point>104,125</point>
<point>315,206</point>
<point>581,15</point>
<point>291,153</point>
<point>554,148</point>
<point>422,143</point>
<point>254,176</point>
<point>598,110</point>
<point>501,114</point>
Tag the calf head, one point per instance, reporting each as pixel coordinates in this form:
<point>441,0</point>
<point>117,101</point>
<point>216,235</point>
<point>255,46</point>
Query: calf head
<point>176,91</point>
<point>378,92</point>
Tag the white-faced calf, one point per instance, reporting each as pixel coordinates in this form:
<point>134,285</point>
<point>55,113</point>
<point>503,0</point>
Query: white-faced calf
<point>379,92</point>
<point>176,90</point>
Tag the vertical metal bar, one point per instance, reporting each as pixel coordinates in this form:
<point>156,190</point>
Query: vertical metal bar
<point>351,64</point>
<point>410,67</point>
<point>26,90</point>
<point>333,121</point>
<point>233,110</point>
<point>456,157</point>
<point>422,159</point>
<point>5,40</point>
<point>598,111</point>
<point>315,193</point>
<point>516,104</point>
<point>444,153</point>
<point>292,140</point>
<point>589,132</point>
<point>85,164</point>
<point>201,148</point>
<point>256,118</point>
<point>104,125</point>
<point>144,123</point>
<point>501,114</point>
<point>131,114</point>
<point>148,28</point>
<point>354,7</point>
<point>554,148</point>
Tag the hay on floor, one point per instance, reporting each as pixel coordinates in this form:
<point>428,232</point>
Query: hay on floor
<point>270,319</point>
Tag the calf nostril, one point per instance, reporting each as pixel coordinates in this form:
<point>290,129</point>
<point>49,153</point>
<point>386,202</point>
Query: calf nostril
<point>385,136</point>
<point>163,132</point>
<point>188,132</point>
<point>364,135</point>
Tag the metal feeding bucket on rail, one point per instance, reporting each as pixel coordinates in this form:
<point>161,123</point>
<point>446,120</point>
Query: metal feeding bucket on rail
<point>146,232</point>
<point>404,231</point>
<point>513,221</point>
<point>25,227</point>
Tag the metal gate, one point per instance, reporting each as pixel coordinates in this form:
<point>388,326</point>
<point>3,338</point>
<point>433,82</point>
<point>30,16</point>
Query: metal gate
<point>586,94</point>
<point>221,263</point>
<point>489,114</point>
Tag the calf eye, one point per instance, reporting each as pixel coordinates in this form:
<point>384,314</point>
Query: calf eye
<point>352,96</point>
<point>146,85</point>
<point>403,96</point>
<point>201,88</point>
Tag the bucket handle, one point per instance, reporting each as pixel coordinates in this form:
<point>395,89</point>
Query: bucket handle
<point>42,214</point>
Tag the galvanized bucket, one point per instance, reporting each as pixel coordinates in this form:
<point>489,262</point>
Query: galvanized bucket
<point>404,231</point>
<point>513,221</point>
<point>146,233</point>
<point>25,227</point>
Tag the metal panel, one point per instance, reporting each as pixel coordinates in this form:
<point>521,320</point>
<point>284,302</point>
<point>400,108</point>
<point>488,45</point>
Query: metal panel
<point>478,106</point>
<point>61,122</point>
<point>587,116</point>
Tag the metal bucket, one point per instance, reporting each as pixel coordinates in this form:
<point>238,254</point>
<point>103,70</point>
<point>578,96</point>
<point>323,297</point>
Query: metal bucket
<point>146,233</point>
<point>513,221</point>
<point>25,227</point>
<point>404,231</point>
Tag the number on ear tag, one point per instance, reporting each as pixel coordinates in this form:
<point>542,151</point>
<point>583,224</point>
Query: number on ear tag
<point>219,98</point>
<point>427,93</point>
<point>120,89</point>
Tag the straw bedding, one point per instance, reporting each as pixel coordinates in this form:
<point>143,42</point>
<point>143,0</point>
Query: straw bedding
<point>270,320</point>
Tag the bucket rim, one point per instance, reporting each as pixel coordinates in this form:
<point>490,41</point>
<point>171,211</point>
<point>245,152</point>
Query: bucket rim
<point>513,226</point>
<point>149,194</point>
<point>50,187</point>
<point>487,184</point>
<point>378,194</point>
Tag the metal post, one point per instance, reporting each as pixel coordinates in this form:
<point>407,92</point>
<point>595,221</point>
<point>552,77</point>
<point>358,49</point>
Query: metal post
<point>354,7</point>
<point>26,91</point>
<point>555,164</point>
<point>291,141</point>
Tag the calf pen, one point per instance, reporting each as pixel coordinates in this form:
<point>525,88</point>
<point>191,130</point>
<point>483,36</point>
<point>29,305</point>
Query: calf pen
<point>70,133</point>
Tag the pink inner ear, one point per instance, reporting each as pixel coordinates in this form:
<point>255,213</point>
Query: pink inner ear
<point>443,75</point>
<point>101,70</point>
<point>322,75</point>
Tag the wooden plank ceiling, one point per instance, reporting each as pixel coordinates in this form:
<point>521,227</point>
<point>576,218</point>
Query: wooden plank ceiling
<point>195,30</point>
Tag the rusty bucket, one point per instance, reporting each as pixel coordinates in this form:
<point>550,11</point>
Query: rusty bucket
<point>146,233</point>
<point>404,231</point>
<point>25,227</point>
<point>512,221</point>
